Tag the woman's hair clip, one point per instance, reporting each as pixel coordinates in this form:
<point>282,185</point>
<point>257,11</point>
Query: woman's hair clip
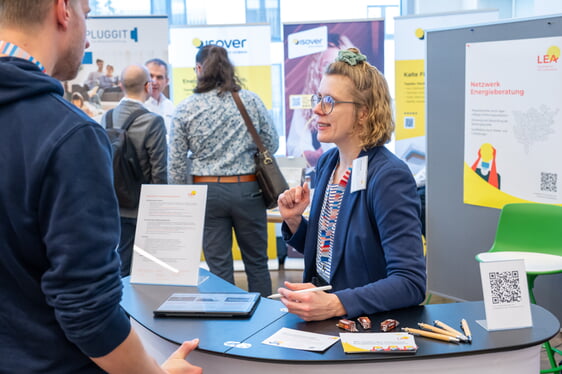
<point>350,57</point>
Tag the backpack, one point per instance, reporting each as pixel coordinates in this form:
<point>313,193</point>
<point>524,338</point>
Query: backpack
<point>127,172</point>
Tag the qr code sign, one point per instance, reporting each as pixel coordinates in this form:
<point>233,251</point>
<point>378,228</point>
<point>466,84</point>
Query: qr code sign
<point>549,182</point>
<point>505,287</point>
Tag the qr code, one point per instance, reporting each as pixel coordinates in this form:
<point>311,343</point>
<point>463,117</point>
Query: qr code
<point>295,102</point>
<point>549,182</point>
<point>505,287</point>
<point>409,122</point>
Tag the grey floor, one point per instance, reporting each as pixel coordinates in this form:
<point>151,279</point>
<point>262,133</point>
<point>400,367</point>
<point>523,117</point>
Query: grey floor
<point>281,275</point>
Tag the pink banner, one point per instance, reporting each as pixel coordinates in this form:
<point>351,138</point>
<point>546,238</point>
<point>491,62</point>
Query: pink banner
<point>309,48</point>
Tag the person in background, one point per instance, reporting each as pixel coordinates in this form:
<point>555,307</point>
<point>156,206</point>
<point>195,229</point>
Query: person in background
<point>209,124</point>
<point>108,80</point>
<point>363,235</point>
<point>148,136</point>
<point>59,222</point>
<point>157,102</point>
<point>79,102</point>
<point>93,79</point>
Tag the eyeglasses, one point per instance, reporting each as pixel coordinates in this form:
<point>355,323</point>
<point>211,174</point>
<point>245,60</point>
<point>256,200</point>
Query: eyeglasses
<point>327,103</point>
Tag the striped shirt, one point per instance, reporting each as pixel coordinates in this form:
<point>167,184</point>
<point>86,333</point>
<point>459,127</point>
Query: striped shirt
<point>9,49</point>
<point>327,224</point>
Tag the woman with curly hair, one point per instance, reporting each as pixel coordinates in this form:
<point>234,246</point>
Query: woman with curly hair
<point>363,235</point>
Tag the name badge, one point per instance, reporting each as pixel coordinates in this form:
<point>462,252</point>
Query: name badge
<point>359,174</point>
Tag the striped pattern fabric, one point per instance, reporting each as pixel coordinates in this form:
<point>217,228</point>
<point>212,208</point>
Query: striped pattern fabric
<point>327,225</point>
<point>9,49</point>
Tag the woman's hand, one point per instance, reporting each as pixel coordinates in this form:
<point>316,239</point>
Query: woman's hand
<point>310,306</point>
<point>292,204</point>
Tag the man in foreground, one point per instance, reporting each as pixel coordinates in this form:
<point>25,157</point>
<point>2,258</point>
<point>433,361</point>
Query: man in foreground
<point>59,272</point>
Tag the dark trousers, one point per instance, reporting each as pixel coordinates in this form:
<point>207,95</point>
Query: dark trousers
<point>237,206</point>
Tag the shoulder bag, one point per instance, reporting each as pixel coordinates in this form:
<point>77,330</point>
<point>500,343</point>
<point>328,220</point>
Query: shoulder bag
<point>269,176</point>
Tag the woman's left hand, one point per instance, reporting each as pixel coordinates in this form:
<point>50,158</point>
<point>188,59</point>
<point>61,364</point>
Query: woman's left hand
<point>310,306</point>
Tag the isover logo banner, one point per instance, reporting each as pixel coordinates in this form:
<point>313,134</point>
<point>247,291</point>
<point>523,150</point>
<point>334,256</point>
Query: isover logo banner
<point>307,42</point>
<point>230,44</point>
<point>308,49</point>
<point>247,47</point>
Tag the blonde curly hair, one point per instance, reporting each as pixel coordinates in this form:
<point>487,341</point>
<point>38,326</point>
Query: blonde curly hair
<point>369,91</point>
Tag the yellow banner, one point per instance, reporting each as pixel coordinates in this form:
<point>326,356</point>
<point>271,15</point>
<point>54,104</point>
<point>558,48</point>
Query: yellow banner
<point>184,81</point>
<point>477,191</point>
<point>254,78</point>
<point>410,99</point>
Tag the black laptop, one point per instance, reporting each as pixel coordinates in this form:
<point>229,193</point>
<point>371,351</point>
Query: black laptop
<point>210,304</point>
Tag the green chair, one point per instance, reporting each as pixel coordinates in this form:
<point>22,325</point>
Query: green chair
<point>532,232</point>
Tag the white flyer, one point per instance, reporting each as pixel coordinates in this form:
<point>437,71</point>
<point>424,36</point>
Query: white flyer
<point>296,339</point>
<point>169,234</point>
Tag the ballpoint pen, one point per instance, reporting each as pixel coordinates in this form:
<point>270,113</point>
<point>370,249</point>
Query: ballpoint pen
<point>449,328</point>
<point>323,288</point>
<point>429,334</point>
<point>466,330</point>
<point>439,330</point>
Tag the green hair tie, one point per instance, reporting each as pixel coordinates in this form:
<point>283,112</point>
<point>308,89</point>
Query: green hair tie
<point>350,57</point>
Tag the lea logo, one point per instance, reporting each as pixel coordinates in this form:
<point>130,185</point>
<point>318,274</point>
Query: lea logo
<point>551,57</point>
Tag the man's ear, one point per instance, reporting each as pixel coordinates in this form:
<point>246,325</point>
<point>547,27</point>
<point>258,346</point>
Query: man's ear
<point>62,13</point>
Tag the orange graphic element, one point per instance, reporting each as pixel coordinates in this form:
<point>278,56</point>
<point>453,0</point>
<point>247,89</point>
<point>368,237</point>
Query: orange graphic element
<point>487,156</point>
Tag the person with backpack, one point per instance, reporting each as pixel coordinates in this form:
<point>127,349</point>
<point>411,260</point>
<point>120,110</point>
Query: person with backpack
<point>145,133</point>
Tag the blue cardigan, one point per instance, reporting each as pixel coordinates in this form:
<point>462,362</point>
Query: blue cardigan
<point>377,261</point>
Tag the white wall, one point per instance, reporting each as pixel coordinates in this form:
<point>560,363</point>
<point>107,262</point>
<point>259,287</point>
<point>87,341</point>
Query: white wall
<point>543,7</point>
<point>326,10</point>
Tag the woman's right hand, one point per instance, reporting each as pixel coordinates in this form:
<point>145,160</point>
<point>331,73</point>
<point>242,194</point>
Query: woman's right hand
<point>292,204</point>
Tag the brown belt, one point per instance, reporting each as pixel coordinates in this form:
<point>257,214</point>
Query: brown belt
<point>224,178</point>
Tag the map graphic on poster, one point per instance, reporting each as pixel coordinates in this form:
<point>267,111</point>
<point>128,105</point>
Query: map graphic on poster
<point>513,122</point>
<point>308,49</point>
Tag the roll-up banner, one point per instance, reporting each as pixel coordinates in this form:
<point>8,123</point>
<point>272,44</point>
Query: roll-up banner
<point>513,122</point>
<point>248,48</point>
<point>309,48</point>
<point>115,42</point>
<point>409,37</point>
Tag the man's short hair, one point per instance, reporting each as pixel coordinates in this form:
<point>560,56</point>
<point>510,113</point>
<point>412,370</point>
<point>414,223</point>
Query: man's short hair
<point>160,62</point>
<point>23,12</point>
<point>134,78</point>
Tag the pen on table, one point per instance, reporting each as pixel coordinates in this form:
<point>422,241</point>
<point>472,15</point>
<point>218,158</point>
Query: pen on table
<point>466,330</point>
<point>439,331</point>
<point>449,328</point>
<point>323,288</point>
<point>429,334</point>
